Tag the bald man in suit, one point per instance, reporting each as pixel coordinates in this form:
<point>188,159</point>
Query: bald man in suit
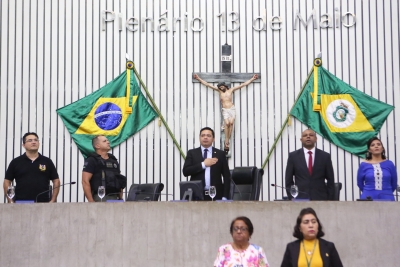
<point>208,166</point>
<point>311,169</point>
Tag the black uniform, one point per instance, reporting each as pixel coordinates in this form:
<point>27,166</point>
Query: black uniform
<point>95,165</point>
<point>31,177</point>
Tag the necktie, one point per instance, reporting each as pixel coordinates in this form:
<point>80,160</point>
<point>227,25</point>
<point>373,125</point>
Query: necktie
<point>310,162</point>
<point>205,153</point>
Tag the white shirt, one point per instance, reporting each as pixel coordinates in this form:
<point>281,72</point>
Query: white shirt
<point>208,169</point>
<point>306,155</point>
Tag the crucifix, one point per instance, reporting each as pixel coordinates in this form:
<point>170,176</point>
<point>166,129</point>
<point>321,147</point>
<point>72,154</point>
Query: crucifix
<point>224,79</point>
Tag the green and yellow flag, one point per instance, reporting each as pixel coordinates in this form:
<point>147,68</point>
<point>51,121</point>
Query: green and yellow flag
<point>339,112</point>
<point>117,110</point>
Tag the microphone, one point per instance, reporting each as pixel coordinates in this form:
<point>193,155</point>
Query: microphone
<point>279,186</point>
<point>288,189</point>
<point>52,189</point>
<point>368,198</point>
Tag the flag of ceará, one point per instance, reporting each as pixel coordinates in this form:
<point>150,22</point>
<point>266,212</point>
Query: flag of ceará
<point>117,110</point>
<point>339,112</point>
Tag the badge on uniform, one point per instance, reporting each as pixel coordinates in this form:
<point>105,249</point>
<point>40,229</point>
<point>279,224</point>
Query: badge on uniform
<point>42,167</point>
<point>109,165</point>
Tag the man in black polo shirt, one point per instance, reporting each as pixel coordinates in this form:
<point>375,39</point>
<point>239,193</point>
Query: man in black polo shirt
<point>32,173</point>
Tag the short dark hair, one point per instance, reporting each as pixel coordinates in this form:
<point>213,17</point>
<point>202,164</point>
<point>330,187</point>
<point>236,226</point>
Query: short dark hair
<point>208,128</point>
<point>95,140</point>
<point>297,233</point>
<point>29,133</point>
<point>246,221</point>
<point>369,156</point>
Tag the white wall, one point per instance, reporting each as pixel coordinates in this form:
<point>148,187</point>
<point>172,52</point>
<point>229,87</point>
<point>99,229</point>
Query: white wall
<point>55,52</point>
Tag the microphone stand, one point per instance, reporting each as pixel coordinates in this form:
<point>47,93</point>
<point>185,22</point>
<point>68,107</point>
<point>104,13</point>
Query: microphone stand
<point>52,189</point>
<point>275,185</point>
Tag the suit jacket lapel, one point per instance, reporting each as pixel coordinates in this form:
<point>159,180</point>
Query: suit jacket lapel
<point>317,159</point>
<point>323,249</point>
<point>199,155</point>
<point>213,155</point>
<point>296,252</point>
<point>303,161</point>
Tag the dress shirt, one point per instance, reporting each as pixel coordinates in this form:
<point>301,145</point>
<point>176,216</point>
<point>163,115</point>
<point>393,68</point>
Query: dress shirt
<point>207,173</point>
<point>306,155</point>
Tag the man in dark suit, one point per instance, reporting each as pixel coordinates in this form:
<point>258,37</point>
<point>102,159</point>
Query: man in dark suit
<point>311,167</point>
<point>207,164</point>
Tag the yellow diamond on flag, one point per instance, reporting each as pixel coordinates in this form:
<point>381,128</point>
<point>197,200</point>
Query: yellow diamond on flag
<point>342,114</point>
<point>107,117</point>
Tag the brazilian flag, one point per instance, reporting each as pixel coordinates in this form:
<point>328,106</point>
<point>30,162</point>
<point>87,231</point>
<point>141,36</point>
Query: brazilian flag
<point>117,110</point>
<point>339,112</point>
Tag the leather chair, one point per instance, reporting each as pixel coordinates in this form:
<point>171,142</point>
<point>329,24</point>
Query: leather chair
<point>338,187</point>
<point>145,192</point>
<point>247,183</point>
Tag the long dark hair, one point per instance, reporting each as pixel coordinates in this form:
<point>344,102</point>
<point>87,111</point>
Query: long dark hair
<point>297,233</point>
<point>369,156</point>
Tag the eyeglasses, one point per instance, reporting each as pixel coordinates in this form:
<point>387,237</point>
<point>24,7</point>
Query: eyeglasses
<point>31,140</point>
<point>242,229</point>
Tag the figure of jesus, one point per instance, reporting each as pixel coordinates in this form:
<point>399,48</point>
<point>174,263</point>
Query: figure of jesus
<point>228,108</point>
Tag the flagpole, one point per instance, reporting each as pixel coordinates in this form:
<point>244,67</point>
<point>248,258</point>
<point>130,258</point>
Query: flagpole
<point>158,112</point>
<point>286,121</point>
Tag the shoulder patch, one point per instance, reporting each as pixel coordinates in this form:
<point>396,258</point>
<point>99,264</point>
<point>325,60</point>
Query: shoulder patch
<point>85,164</point>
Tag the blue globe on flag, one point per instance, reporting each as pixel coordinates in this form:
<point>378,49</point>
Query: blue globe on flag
<point>108,116</point>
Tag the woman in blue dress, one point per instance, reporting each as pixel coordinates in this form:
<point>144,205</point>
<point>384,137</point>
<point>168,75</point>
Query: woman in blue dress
<point>377,176</point>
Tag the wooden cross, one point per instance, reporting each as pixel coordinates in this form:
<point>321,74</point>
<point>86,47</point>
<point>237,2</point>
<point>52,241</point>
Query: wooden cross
<point>226,74</point>
<point>227,77</point>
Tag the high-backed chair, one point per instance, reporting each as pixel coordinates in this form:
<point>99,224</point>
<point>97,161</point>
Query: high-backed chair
<point>247,183</point>
<point>145,192</point>
<point>338,187</point>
